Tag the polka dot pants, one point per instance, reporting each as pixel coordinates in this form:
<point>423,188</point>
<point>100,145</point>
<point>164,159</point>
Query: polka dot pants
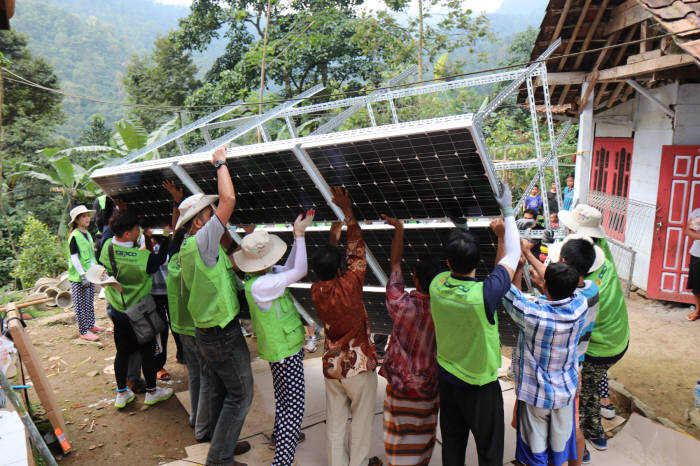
<point>288,382</point>
<point>83,305</point>
<point>603,389</point>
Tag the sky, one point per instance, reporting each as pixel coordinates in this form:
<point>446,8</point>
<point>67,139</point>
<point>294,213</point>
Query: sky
<point>486,6</point>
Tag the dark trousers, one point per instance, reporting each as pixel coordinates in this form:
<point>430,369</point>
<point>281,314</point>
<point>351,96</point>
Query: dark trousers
<point>162,310</point>
<point>126,343</point>
<point>465,408</point>
<point>227,367</point>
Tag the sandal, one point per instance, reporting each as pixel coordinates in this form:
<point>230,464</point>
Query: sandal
<point>163,375</point>
<point>693,316</point>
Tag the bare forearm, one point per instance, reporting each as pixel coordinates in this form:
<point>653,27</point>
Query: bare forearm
<point>536,264</point>
<point>692,234</point>
<point>397,249</point>
<point>227,195</point>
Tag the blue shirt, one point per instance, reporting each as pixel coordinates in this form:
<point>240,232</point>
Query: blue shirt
<point>533,202</point>
<point>546,372</point>
<point>568,198</point>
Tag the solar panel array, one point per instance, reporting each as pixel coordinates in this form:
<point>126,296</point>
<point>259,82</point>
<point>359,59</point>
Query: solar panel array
<point>418,170</point>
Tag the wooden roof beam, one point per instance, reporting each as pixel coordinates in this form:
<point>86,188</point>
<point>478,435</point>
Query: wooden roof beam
<point>574,34</point>
<point>560,23</point>
<point>625,15</point>
<point>616,61</point>
<point>665,62</point>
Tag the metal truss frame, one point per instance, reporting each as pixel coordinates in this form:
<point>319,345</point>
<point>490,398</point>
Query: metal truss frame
<point>387,93</point>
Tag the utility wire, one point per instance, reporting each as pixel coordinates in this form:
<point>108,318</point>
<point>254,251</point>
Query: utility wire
<point>174,108</point>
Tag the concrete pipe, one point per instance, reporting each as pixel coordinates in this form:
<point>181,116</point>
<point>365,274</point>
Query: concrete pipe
<point>42,289</point>
<point>52,293</point>
<point>44,281</point>
<point>64,299</point>
<point>63,285</point>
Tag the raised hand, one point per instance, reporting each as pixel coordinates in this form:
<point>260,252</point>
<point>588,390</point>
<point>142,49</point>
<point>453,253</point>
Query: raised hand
<point>498,227</point>
<point>341,198</point>
<point>248,229</point>
<point>219,154</point>
<point>120,205</point>
<point>302,223</point>
<point>336,230</point>
<point>504,198</point>
<point>394,222</point>
<point>174,191</point>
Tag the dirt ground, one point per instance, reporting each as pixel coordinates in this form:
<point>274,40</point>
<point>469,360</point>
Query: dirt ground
<point>660,368</point>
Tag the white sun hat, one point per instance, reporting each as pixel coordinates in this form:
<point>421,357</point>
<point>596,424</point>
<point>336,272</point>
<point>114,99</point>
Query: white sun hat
<point>583,219</point>
<point>193,205</point>
<point>259,250</point>
<point>554,253</point>
<point>98,275</point>
<point>76,211</point>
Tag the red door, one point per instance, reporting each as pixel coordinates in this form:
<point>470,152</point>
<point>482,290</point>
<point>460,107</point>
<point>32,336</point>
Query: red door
<point>610,174</point>
<point>679,194</point>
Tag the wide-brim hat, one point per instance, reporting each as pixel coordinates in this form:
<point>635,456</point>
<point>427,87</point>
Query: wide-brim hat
<point>98,275</point>
<point>583,219</point>
<point>77,211</point>
<point>192,206</point>
<point>259,250</point>
<point>554,253</point>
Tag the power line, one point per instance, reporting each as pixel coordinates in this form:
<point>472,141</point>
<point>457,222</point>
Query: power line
<point>188,108</point>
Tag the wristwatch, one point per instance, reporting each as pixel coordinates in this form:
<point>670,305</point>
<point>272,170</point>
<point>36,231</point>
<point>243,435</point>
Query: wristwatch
<point>219,163</point>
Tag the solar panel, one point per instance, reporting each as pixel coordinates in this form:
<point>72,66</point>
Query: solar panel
<point>413,170</point>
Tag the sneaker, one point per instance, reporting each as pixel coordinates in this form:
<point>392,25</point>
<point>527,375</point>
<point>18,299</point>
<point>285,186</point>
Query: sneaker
<point>311,344</point>
<point>273,442</point>
<point>586,457</point>
<point>89,336</point>
<point>124,398</point>
<point>607,411</point>
<point>375,461</point>
<point>97,329</point>
<point>600,443</point>
<point>159,394</point>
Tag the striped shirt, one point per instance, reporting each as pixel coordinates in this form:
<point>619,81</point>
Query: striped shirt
<point>546,372</point>
<point>590,291</point>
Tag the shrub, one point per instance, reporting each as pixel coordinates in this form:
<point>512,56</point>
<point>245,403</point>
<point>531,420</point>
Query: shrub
<point>39,253</point>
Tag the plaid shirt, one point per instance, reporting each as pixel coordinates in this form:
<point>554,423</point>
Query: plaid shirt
<point>410,365</point>
<point>546,371</point>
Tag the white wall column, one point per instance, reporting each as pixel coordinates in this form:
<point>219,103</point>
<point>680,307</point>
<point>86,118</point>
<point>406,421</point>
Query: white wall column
<point>586,132</point>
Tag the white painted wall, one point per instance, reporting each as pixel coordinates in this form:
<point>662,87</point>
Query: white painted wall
<point>687,122</point>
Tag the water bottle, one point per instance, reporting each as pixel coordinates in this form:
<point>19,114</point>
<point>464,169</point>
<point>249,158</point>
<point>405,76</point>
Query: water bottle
<point>697,396</point>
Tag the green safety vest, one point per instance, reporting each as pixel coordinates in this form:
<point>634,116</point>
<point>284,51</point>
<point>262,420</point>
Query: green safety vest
<point>611,331</point>
<point>212,290</point>
<point>131,273</point>
<point>86,254</point>
<point>102,200</point>
<point>178,296</point>
<point>468,346</point>
<point>279,330</point>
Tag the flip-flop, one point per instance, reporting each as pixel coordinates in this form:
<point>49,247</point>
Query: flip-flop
<point>163,375</point>
<point>693,316</point>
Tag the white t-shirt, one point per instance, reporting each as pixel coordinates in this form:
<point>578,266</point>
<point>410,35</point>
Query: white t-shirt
<point>694,219</point>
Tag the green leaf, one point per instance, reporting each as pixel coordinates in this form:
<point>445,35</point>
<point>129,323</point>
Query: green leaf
<point>64,169</point>
<point>130,135</point>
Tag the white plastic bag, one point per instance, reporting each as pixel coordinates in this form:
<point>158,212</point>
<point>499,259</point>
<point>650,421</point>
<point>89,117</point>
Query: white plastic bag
<point>7,349</point>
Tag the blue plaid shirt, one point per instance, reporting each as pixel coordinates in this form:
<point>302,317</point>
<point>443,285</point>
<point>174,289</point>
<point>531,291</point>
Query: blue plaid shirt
<point>546,360</point>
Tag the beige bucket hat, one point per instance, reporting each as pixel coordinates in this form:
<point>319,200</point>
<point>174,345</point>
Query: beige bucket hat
<point>78,210</point>
<point>98,275</point>
<point>192,205</point>
<point>259,250</point>
<point>584,219</point>
<point>554,253</point>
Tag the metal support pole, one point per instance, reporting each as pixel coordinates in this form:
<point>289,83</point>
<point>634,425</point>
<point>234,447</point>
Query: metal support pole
<point>34,434</point>
<point>550,132</point>
<point>303,313</point>
<point>181,146</point>
<point>371,114</point>
<point>185,178</point>
<point>538,148</point>
<point>394,115</point>
<point>205,134</point>
<point>263,132</point>
<point>325,190</point>
<point>291,127</point>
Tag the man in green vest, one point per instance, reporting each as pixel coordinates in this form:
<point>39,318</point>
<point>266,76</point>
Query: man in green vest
<point>611,331</point>
<point>468,343</point>
<point>207,275</point>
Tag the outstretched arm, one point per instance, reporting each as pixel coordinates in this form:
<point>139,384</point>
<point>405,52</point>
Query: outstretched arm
<point>397,243</point>
<point>177,195</point>
<point>227,195</point>
<point>512,246</point>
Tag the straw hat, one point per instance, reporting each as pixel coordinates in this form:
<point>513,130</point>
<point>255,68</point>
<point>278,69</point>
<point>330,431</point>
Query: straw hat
<point>192,205</point>
<point>97,274</point>
<point>76,211</point>
<point>259,250</point>
<point>583,219</point>
<point>555,251</point>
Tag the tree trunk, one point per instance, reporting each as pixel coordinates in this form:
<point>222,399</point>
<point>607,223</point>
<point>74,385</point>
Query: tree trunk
<point>262,65</point>
<point>2,148</point>
<point>420,41</point>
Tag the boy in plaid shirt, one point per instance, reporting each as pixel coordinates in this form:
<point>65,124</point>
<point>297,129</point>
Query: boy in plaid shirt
<point>546,365</point>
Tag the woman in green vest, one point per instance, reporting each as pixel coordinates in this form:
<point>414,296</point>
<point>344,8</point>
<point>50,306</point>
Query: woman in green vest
<point>82,257</point>
<point>278,326</point>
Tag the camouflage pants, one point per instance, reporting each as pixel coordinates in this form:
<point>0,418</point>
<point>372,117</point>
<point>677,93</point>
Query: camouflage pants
<point>589,399</point>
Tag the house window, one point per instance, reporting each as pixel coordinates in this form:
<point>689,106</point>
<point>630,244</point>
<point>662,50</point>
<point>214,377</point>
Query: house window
<point>610,176</point>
